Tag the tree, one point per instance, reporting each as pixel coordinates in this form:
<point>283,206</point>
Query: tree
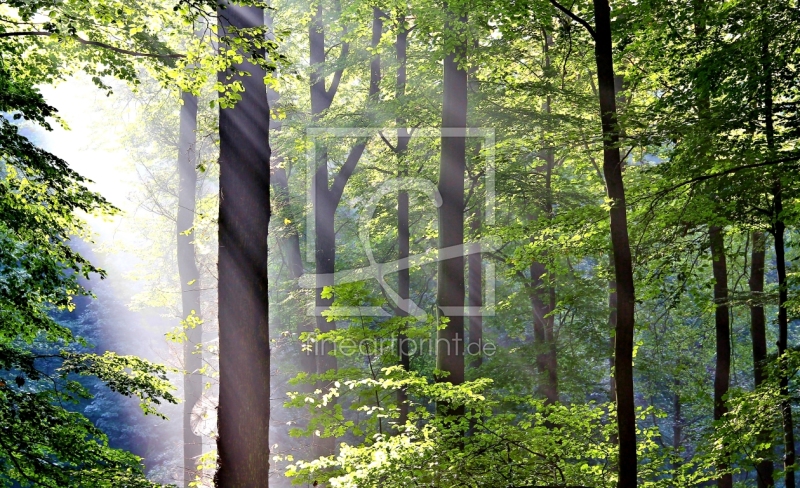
<point>722,327</point>
<point>759,338</point>
<point>244,364</point>
<point>452,169</point>
<point>623,265</point>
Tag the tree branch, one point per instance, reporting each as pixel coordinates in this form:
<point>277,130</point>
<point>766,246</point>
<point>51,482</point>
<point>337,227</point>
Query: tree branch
<point>337,75</point>
<point>575,18</point>
<point>731,171</point>
<point>340,180</point>
<point>394,149</point>
<point>92,43</point>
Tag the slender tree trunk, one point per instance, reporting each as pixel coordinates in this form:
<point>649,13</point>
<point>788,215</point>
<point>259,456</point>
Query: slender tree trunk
<point>623,265</point>
<point>758,333</point>
<point>722,375</point>
<point>190,282</point>
<point>619,86</point>
<point>779,228</point>
<point>452,169</point>
<point>403,232</point>
<point>327,198</point>
<point>783,336</point>
<point>244,362</point>
<point>403,289</point>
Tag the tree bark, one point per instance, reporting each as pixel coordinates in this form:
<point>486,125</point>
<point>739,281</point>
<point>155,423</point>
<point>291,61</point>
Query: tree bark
<point>244,362</point>
<point>623,265</point>
<point>758,334</point>
<point>452,168</point>
<point>190,281</point>
<point>722,375</point>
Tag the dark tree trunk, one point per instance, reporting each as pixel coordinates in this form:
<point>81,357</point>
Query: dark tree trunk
<point>623,266</point>
<point>619,86</point>
<point>452,168</point>
<point>779,228</point>
<point>403,232</point>
<point>327,198</point>
<point>722,375</point>
<point>190,281</point>
<point>758,333</point>
<point>244,360</point>
<point>783,339</point>
<point>403,289</point>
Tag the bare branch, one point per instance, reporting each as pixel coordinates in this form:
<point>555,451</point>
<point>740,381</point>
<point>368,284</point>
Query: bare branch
<point>574,17</point>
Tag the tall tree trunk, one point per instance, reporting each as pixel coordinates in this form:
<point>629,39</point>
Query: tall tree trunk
<point>452,169</point>
<point>779,228</point>
<point>190,282</point>
<point>722,375</point>
<point>403,232</point>
<point>619,86</point>
<point>758,333</point>
<point>623,265</point>
<point>783,336</point>
<point>403,290</point>
<point>244,362</point>
<point>327,198</point>
<point>620,244</point>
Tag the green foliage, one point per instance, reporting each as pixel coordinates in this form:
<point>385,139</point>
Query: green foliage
<point>44,442</point>
<point>523,443</point>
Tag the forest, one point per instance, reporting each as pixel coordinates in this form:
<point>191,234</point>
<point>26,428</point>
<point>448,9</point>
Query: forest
<point>384,243</point>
